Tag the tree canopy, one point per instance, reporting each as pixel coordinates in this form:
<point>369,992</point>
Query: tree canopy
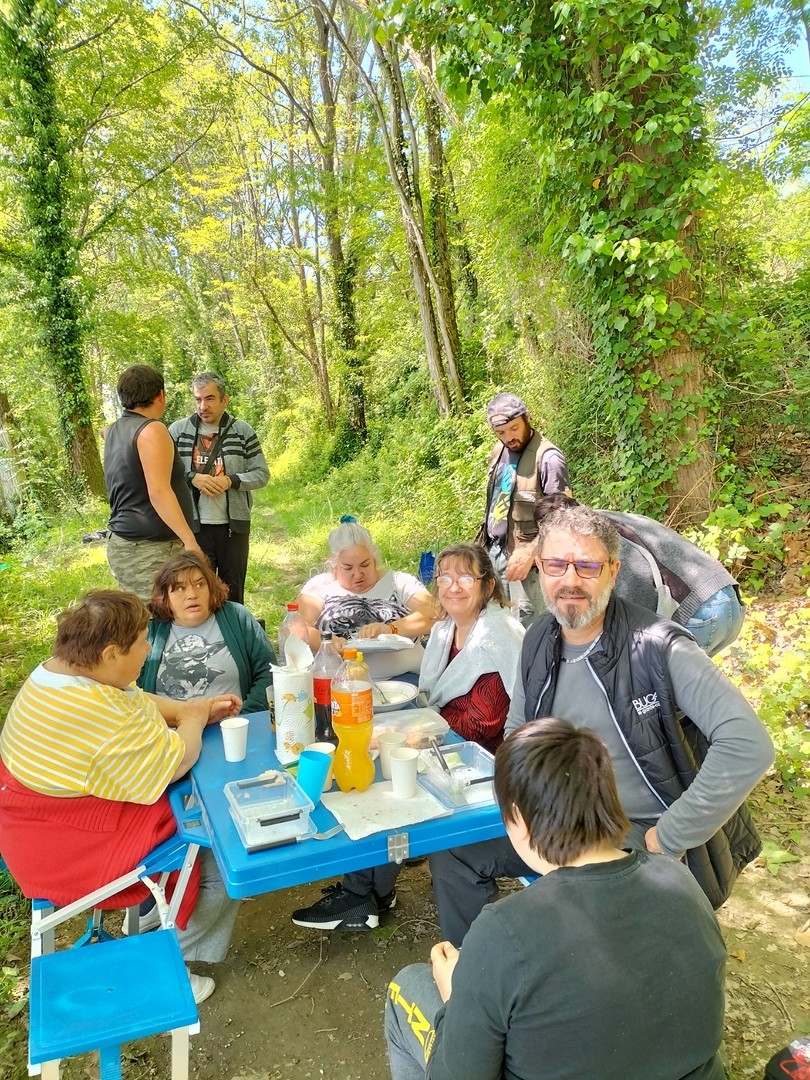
<point>363,214</point>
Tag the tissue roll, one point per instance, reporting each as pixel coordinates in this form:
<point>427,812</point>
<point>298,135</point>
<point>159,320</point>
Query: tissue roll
<point>295,713</point>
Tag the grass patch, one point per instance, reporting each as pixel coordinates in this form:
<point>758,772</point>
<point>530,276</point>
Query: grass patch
<point>15,917</point>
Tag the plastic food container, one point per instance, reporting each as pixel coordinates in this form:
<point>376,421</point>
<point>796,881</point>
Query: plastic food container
<point>269,809</point>
<point>469,779</point>
<point>418,725</point>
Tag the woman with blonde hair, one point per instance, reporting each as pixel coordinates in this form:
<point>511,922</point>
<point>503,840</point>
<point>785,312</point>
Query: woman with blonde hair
<point>468,670</point>
<point>355,597</point>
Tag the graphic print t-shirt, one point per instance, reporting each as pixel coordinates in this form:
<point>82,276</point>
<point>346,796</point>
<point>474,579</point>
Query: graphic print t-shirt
<point>505,474</point>
<point>196,663</point>
<point>213,510</point>
<point>344,611</point>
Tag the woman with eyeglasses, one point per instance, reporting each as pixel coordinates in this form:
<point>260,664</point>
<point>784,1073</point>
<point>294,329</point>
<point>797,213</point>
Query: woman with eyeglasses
<point>202,643</point>
<point>468,670</point>
<point>471,657</point>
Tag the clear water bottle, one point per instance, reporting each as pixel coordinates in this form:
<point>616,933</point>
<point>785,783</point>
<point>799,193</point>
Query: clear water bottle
<point>292,623</point>
<point>324,670</point>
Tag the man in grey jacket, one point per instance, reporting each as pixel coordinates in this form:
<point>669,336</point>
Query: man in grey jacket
<point>668,574</point>
<point>686,746</point>
<point>224,463</point>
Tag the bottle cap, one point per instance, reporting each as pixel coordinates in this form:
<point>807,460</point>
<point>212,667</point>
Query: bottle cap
<point>359,657</point>
<point>292,607</point>
<point>349,654</point>
<point>326,635</point>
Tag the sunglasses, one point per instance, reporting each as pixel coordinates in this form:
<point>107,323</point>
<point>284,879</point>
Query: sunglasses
<point>559,567</point>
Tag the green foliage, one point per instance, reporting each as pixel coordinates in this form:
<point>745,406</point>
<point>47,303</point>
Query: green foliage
<point>48,259</point>
<point>15,916</point>
<point>46,570</point>
<point>772,670</point>
<point>750,540</point>
<point>775,857</point>
<point>613,94</point>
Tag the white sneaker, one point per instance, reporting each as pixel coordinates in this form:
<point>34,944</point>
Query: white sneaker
<point>149,921</point>
<point>201,987</point>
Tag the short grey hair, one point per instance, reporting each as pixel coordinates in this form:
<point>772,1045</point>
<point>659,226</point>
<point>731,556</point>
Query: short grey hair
<point>350,534</point>
<point>582,521</point>
<point>206,377</point>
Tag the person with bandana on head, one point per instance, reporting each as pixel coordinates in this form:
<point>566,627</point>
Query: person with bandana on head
<point>523,467</point>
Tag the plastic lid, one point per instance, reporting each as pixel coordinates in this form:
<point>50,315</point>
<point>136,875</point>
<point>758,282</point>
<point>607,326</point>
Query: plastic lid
<point>292,607</point>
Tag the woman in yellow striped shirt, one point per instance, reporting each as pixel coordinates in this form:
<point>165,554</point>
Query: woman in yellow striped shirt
<point>85,760</point>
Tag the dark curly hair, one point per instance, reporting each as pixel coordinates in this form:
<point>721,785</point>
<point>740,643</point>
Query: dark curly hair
<point>169,574</point>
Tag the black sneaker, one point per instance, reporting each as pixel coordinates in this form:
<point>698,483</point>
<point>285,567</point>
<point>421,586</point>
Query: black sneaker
<point>387,903</point>
<point>342,910</point>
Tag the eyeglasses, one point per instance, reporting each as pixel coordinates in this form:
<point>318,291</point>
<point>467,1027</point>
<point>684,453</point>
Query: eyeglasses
<point>464,581</point>
<point>559,567</point>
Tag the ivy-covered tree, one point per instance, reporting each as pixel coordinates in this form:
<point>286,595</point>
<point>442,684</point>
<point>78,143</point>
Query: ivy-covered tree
<point>46,254</point>
<point>613,92</point>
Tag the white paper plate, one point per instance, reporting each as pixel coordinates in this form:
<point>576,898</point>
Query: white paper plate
<point>383,643</point>
<point>399,694</point>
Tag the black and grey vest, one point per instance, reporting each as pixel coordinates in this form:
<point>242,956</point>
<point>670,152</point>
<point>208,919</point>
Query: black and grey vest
<point>668,747</point>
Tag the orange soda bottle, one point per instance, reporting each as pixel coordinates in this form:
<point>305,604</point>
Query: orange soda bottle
<point>352,720</point>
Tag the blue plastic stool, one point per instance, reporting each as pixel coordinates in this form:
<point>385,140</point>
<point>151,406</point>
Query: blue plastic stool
<point>100,997</point>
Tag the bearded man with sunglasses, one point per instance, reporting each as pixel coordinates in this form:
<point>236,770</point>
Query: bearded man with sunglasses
<point>686,746</point>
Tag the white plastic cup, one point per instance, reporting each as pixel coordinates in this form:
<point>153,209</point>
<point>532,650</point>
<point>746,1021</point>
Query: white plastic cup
<point>388,741</point>
<point>403,760</point>
<point>325,748</point>
<point>234,737</point>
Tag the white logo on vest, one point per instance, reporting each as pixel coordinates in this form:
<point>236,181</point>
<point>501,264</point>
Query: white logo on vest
<point>648,703</point>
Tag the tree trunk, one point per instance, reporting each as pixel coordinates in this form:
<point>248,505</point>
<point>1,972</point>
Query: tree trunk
<point>26,42</point>
<point>11,478</point>
<point>433,349</point>
<point>317,358</point>
<point>440,202</point>
<point>682,367</point>
<point>344,267</point>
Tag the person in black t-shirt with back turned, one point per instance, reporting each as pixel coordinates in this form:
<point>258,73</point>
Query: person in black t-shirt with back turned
<point>610,965</point>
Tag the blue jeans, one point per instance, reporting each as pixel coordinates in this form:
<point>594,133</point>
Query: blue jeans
<point>717,621</point>
<point>525,597</point>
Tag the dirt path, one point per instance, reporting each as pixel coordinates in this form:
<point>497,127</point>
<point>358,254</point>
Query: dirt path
<point>293,1004</point>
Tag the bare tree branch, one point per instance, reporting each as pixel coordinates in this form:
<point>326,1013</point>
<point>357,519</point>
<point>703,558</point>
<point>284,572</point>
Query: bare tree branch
<point>89,40</point>
<point>119,203</point>
<point>273,75</point>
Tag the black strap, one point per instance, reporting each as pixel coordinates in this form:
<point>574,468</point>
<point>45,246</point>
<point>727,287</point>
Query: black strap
<point>212,453</point>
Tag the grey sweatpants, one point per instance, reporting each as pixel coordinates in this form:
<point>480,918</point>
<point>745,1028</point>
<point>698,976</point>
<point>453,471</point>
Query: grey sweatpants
<point>410,1011</point>
<point>208,934</point>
